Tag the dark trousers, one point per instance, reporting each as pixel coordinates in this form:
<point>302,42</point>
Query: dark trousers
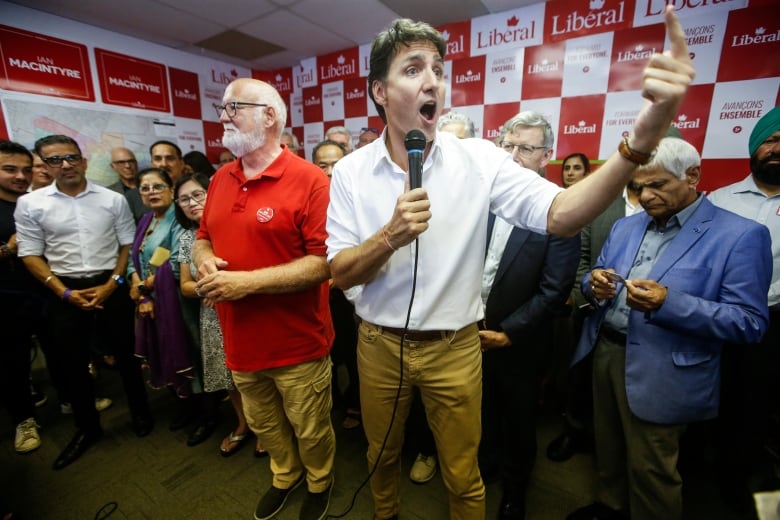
<point>344,349</point>
<point>17,315</point>
<point>73,330</point>
<point>749,394</point>
<point>510,390</point>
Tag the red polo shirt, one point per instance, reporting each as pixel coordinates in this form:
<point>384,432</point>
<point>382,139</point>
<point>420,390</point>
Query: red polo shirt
<point>273,218</point>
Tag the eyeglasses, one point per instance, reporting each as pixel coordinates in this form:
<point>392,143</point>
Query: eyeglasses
<point>196,197</point>
<point>232,107</point>
<point>125,162</point>
<point>525,150</point>
<point>369,129</point>
<point>56,160</point>
<point>156,188</point>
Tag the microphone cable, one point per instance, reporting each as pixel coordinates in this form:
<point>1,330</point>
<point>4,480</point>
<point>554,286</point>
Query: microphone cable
<point>398,391</point>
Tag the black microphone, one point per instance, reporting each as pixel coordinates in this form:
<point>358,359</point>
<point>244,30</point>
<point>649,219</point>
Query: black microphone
<point>415,144</point>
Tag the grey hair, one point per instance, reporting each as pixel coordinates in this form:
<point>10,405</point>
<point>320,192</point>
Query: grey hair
<point>674,156</point>
<point>529,118</point>
<point>457,117</point>
<point>338,130</point>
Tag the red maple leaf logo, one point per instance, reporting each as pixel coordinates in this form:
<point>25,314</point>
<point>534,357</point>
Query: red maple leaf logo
<point>512,22</point>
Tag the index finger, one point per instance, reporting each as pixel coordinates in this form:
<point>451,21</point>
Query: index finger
<point>678,46</point>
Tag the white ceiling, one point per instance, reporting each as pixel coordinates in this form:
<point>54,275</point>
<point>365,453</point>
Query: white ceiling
<point>302,28</point>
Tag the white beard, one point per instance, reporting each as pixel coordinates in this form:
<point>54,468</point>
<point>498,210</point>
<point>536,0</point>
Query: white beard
<point>242,144</point>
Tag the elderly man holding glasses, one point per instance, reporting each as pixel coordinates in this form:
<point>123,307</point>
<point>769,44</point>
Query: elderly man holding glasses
<point>74,237</point>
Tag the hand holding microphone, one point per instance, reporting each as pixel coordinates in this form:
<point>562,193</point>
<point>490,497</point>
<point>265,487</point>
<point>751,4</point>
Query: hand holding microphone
<point>412,210</point>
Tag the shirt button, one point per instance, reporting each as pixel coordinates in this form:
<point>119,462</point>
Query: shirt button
<point>244,188</point>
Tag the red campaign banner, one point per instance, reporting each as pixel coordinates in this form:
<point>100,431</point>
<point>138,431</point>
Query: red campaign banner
<point>356,98</point>
<point>716,173</point>
<point>132,82</point>
<point>338,65</point>
<point>566,19</point>
<point>468,81</point>
<point>212,136</point>
<point>3,128</point>
<point>376,123</point>
<point>186,93</point>
<point>458,38</point>
<point>312,103</point>
<point>631,49</point>
<point>694,114</point>
<point>751,45</point>
<point>543,74</point>
<point>579,127</point>
<point>495,117</point>
<point>40,64</point>
<point>281,80</point>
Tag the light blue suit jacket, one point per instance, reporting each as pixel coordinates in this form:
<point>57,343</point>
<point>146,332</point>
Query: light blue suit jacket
<point>717,271</point>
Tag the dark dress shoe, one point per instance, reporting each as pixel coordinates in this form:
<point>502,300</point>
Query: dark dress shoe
<point>597,511</point>
<point>564,446</point>
<point>76,447</point>
<point>142,425</point>
<point>511,509</point>
<point>201,432</point>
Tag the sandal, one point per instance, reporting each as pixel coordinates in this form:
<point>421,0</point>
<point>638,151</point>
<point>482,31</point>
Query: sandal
<point>232,443</point>
<point>351,419</point>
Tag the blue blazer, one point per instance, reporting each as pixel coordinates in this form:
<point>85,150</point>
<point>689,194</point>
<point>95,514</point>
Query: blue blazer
<point>717,271</point>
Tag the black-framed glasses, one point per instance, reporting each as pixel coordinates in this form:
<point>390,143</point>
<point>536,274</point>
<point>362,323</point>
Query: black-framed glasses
<point>124,162</point>
<point>369,129</point>
<point>526,150</point>
<point>196,197</point>
<point>149,188</point>
<point>56,160</point>
<point>232,107</point>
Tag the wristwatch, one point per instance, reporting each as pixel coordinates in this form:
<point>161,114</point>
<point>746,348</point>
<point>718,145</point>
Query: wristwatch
<point>118,279</point>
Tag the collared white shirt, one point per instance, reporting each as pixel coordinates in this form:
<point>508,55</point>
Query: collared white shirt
<point>465,179</point>
<point>79,236</point>
<point>746,200</point>
<point>498,240</point>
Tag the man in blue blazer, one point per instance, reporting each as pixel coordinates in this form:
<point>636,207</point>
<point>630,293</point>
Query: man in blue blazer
<point>694,277</point>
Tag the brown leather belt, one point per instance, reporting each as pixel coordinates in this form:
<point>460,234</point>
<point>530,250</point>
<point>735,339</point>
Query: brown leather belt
<point>419,335</point>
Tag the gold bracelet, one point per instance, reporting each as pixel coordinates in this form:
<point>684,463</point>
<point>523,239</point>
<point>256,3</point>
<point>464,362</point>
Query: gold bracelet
<point>635,156</point>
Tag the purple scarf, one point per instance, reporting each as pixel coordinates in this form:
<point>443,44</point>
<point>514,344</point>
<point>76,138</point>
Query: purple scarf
<point>163,341</point>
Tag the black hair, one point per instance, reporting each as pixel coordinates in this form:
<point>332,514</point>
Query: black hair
<point>12,148</point>
<point>198,177</point>
<point>326,142</point>
<point>169,143</point>
<point>199,162</point>
<point>402,31</point>
<point>54,139</point>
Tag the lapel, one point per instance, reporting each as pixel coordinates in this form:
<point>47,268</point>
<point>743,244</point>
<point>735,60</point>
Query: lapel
<point>515,243</point>
<point>694,229</point>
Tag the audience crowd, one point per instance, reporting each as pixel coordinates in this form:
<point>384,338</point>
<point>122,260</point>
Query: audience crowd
<point>669,300</point>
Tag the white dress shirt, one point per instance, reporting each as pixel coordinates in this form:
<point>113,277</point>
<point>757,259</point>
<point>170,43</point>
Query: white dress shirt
<point>79,236</point>
<point>465,179</point>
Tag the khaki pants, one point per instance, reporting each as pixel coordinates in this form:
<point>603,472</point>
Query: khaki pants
<point>636,460</point>
<point>288,408</point>
<point>448,373</point>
